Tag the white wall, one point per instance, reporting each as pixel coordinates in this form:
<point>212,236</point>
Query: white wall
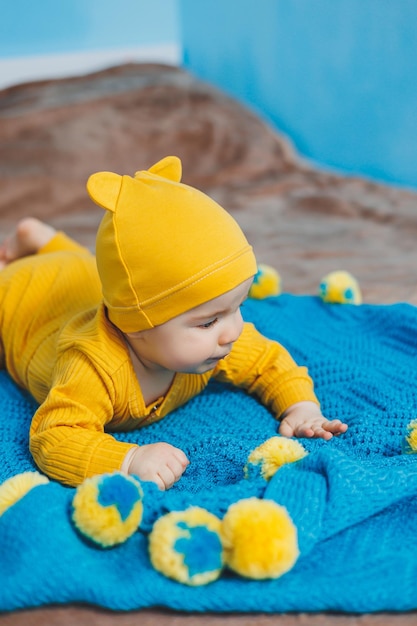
<point>57,38</point>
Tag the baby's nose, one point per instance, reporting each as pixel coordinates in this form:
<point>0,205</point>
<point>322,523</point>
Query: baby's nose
<point>232,330</point>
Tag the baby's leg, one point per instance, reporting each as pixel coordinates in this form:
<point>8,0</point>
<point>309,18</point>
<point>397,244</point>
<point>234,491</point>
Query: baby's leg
<point>30,236</point>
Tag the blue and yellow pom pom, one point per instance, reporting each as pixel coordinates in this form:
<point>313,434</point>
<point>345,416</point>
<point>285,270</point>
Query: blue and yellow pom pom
<point>108,509</point>
<point>340,287</point>
<point>186,546</point>
<point>259,539</point>
<point>16,487</point>
<point>275,452</point>
<point>410,446</point>
<point>267,282</point>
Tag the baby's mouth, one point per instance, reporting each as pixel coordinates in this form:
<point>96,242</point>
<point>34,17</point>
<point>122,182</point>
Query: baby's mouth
<point>220,357</point>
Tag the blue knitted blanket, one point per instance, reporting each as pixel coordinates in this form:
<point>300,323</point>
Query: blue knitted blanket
<point>353,499</point>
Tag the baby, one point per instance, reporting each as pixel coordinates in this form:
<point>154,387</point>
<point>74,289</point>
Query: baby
<point>117,341</point>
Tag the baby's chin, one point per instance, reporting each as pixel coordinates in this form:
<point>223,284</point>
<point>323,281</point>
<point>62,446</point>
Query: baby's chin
<point>203,368</point>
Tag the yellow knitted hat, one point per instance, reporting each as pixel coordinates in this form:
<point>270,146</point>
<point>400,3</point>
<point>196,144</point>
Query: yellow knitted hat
<point>163,247</point>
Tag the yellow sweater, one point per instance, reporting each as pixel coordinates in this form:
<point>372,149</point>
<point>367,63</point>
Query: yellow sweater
<point>57,343</point>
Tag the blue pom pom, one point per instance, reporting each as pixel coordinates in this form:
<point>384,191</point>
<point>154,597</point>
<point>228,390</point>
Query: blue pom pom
<point>108,508</point>
<point>115,489</point>
<point>340,287</point>
<point>202,549</point>
<point>186,546</point>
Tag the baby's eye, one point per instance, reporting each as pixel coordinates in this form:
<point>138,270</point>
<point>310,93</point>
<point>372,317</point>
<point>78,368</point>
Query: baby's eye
<point>208,324</point>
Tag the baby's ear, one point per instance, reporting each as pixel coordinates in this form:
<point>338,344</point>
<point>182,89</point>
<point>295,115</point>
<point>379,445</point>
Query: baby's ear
<point>170,167</point>
<point>104,189</point>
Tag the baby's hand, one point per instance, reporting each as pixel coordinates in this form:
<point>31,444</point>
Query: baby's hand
<point>160,463</point>
<point>304,419</point>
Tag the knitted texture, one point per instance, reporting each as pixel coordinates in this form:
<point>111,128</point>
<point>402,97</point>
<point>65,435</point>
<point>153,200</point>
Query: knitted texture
<point>353,499</point>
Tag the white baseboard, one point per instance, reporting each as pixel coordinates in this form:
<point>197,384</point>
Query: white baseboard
<point>16,70</point>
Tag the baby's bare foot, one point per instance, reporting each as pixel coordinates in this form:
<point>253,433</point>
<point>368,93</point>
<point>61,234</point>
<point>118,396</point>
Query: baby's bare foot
<point>30,235</point>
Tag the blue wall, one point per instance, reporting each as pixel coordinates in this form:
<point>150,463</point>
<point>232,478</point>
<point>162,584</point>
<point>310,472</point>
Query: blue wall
<point>339,77</point>
<point>30,27</point>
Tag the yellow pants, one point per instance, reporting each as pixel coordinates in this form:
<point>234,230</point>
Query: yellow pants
<point>38,295</point>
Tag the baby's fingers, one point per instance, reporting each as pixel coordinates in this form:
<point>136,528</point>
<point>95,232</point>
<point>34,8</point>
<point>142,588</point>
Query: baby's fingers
<point>181,458</point>
<point>325,430</point>
<point>173,470</point>
<point>309,431</point>
<point>301,429</point>
<point>166,477</point>
<point>337,427</point>
<point>285,429</point>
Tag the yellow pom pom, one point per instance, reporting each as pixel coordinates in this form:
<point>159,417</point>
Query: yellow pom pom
<point>272,454</point>
<point>108,508</point>
<point>16,487</point>
<point>340,288</point>
<point>186,546</point>
<point>411,438</point>
<point>267,282</point>
<point>259,539</point>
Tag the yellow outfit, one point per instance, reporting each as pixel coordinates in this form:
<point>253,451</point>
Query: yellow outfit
<point>162,249</point>
<point>59,345</point>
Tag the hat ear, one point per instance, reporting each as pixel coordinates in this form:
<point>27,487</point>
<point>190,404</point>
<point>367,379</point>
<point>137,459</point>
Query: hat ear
<point>170,167</point>
<point>104,189</point>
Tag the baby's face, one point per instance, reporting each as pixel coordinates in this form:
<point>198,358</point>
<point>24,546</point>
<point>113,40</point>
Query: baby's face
<point>195,341</point>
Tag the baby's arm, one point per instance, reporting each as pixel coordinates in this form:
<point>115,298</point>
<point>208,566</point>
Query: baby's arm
<point>68,438</point>
<point>159,462</point>
<point>266,369</point>
<point>305,419</point>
